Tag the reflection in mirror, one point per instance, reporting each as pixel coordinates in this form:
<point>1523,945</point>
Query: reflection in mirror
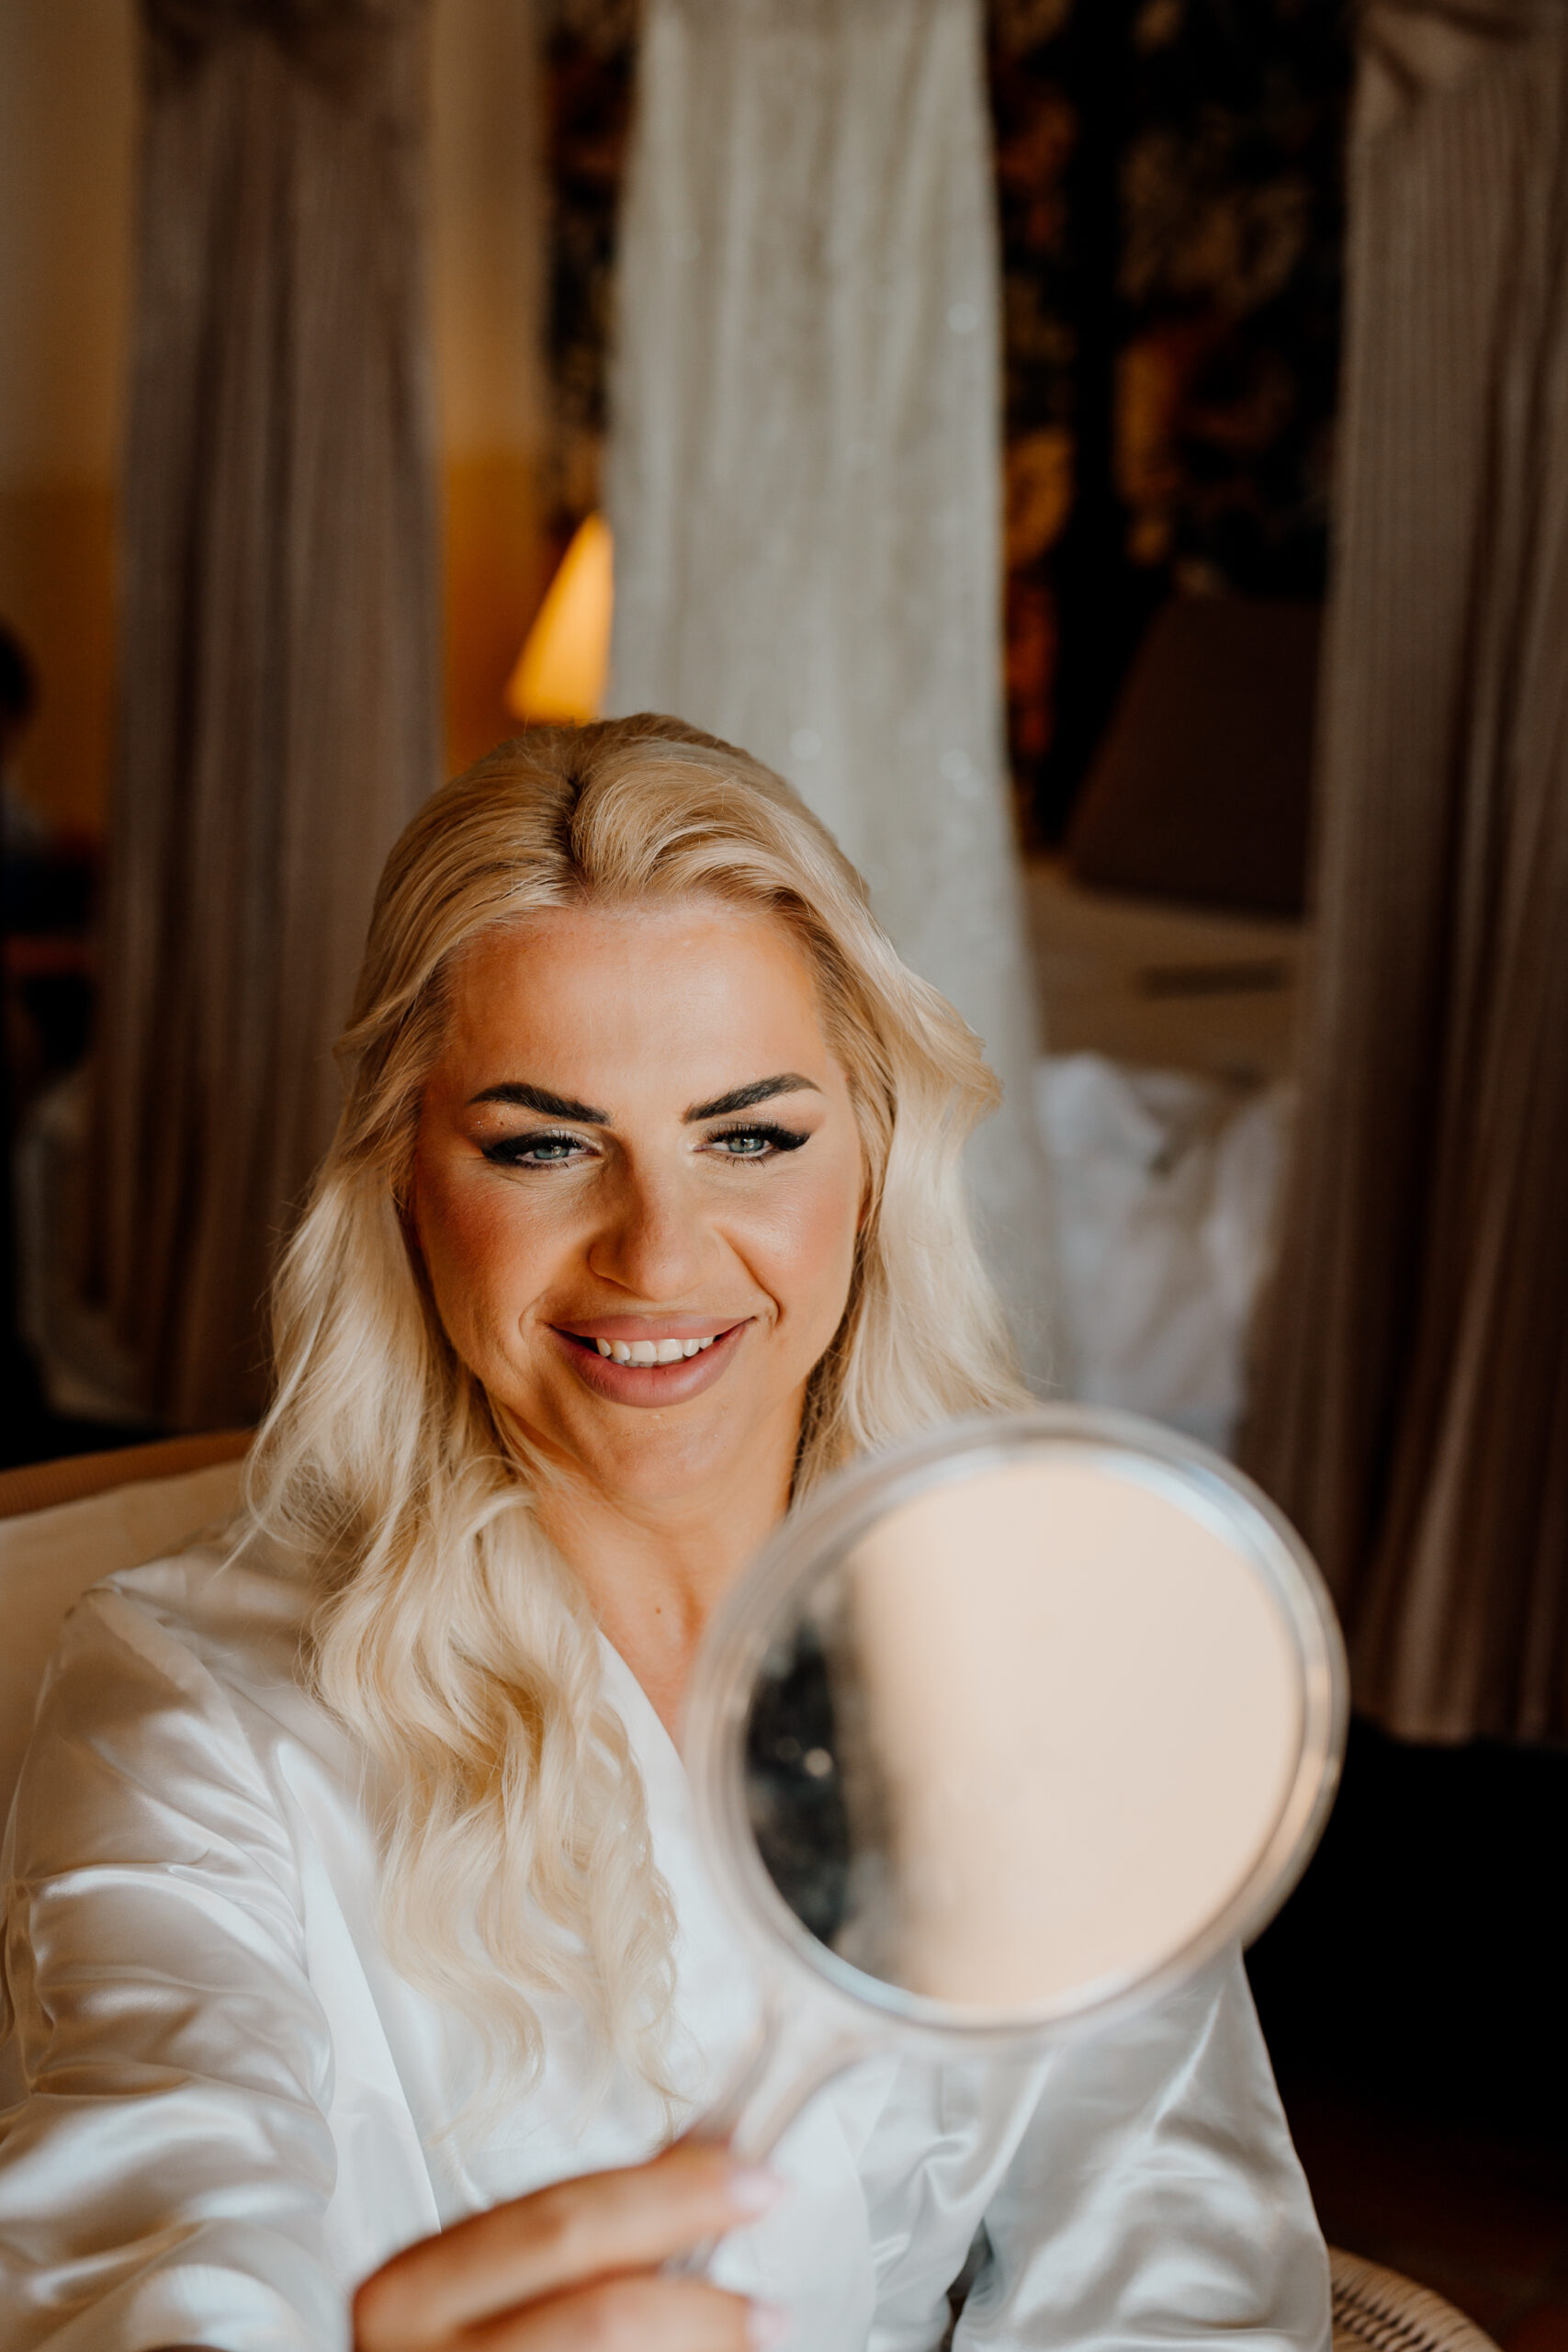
<point>795,1797</point>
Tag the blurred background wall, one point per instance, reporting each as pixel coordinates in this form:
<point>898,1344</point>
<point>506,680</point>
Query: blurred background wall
<point>489,261</point>
<point>67,142</point>
<point>68,139</point>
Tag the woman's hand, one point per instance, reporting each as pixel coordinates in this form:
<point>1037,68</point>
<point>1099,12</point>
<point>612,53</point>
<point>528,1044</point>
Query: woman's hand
<point>576,2268</point>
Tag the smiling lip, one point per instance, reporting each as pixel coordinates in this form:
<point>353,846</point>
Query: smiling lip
<point>655,1383</point>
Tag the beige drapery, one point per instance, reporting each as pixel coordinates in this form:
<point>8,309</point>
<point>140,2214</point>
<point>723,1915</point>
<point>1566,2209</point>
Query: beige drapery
<point>279,674</point>
<point>1411,1383</point>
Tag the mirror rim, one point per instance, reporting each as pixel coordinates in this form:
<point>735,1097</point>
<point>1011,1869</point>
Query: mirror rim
<point>814,1538</point>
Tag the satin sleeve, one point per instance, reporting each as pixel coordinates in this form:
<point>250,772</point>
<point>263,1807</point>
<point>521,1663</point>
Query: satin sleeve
<point>1155,2198</point>
<point>1136,2190</point>
<point>164,2177</point>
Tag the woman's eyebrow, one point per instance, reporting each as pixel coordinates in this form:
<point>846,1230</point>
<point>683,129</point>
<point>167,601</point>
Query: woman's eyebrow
<point>761,1090</point>
<point>562,1107</point>
<point>537,1098</point>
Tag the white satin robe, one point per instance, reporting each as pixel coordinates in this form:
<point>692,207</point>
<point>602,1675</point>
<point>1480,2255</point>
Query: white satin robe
<point>230,2107</point>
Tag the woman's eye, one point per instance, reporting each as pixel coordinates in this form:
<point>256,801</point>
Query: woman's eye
<point>535,1151</point>
<point>755,1143</point>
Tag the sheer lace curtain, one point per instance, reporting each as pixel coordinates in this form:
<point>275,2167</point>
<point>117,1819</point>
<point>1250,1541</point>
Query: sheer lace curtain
<point>1411,1393</point>
<point>278,681</point>
<point>804,480</point>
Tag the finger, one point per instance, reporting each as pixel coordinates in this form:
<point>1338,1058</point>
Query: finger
<point>558,2238</point>
<point>637,2314</point>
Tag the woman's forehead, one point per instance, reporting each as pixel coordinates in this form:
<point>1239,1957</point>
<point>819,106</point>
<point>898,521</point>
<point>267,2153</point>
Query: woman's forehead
<point>636,991</point>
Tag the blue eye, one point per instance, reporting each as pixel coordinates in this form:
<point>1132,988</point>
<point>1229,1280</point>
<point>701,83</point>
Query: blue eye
<point>755,1143</point>
<point>533,1151</point>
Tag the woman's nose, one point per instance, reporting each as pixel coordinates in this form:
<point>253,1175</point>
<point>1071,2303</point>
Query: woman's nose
<point>654,1243</point>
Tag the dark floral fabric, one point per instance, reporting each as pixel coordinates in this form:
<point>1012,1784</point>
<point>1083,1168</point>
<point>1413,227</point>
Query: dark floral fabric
<point>590,61</point>
<point>1169,199</point>
<point>1168,178</point>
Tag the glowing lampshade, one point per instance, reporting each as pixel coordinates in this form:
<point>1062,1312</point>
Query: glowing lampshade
<point>561,672</point>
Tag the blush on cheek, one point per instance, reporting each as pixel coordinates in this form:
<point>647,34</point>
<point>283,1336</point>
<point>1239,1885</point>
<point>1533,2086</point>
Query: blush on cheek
<point>810,1263</point>
<point>460,1241</point>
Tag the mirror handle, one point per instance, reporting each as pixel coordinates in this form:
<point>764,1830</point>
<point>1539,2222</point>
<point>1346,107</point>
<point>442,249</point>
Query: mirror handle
<point>795,2052</point>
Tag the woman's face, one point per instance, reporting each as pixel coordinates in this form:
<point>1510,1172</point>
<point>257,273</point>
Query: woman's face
<point>637,1188</point>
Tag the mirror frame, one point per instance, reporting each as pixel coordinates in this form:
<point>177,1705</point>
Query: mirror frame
<point>815,1538</point>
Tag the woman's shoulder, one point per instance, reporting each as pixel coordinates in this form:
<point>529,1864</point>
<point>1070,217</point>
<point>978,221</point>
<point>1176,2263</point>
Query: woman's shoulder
<point>184,1672</point>
<point>234,1598</point>
<point>230,1610</point>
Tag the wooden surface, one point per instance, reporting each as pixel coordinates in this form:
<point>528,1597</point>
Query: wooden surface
<point>40,1485</point>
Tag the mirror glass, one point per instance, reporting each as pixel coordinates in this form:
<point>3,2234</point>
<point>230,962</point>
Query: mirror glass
<point>1033,1716</point>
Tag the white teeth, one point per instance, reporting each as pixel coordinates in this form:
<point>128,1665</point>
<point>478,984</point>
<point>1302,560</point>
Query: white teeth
<point>652,1351</point>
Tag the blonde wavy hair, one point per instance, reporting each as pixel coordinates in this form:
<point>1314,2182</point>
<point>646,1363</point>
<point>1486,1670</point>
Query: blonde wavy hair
<point>450,1637</point>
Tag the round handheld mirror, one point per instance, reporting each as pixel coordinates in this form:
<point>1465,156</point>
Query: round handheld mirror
<point>1003,1735</point>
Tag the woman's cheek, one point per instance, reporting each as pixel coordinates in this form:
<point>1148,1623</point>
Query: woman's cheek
<point>482,1243</point>
<point>801,1248</point>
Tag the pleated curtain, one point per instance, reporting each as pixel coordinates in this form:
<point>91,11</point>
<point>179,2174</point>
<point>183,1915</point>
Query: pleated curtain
<point>1410,1401</point>
<point>278,681</point>
<point>804,477</point>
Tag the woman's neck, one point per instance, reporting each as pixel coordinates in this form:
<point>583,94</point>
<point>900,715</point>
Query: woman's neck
<point>655,1569</point>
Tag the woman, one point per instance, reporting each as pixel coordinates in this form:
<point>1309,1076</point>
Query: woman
<point>357,1939</point>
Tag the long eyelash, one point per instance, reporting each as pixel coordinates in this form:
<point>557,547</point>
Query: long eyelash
<point>509,1152</point>
<point>781,1139</point>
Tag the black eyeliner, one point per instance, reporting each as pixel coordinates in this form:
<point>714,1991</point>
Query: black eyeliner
<point>507,1150</point>
<point>511,1151</point>
<point>781,1139</point>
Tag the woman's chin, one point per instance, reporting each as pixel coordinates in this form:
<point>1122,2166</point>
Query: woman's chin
<point>654,1455</point>
<point>659,1466</point>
